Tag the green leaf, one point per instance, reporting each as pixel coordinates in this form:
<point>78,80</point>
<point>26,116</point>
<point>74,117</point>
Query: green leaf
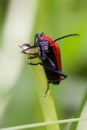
<point>81,113</point>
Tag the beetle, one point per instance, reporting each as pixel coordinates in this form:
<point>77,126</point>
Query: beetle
<point>48,52</point>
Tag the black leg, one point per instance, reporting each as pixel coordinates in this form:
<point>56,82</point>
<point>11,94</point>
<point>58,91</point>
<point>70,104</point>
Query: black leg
<point>52,81</point>
<point>42,34</point>
<point>47,89</point>
<point>32,57</point>
<point>30,63</point>
<point>55,71</point>
<point>51,63</point>
<point>56,80</point>
<point>63,76</point>
<point>35,39</point>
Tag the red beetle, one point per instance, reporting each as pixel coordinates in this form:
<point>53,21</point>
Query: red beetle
<point>49,53</point>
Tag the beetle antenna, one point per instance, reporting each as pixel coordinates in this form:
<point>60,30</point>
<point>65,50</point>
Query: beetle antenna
<point>66,36</point>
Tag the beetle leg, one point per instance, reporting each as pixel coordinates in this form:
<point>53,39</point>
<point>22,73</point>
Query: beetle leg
<point>35,39</point>
<point>55,71</point>
<point>60,74</point>
<point>52,81</point>
<point>51,62</point>
<point>57,80</point>
<point>32,57</point>
<point>47,89</point>
<point>42,34</point>
<point>30,63</point>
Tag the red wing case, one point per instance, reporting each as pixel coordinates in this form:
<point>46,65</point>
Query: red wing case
<point>56,50</point>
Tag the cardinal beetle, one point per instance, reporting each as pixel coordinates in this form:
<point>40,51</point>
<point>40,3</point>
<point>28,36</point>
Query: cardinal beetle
<point>48,52</point>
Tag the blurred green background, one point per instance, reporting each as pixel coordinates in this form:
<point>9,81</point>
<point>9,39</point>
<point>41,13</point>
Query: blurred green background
<point>20,20</point>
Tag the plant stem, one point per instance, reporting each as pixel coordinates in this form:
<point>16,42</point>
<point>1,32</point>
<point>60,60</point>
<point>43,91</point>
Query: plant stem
<point>47,103</point>
<point>44,124</point>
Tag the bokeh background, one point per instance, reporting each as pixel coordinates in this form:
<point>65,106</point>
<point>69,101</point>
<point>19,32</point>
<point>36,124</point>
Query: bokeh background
<point>20,20</point>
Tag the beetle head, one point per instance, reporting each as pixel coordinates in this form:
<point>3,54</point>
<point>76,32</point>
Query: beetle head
<point>44,45</point>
